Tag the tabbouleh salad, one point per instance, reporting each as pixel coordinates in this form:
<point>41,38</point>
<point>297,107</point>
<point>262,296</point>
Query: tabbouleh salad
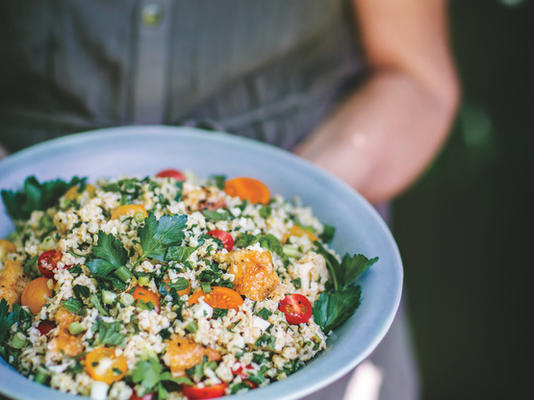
<point>168,287</point>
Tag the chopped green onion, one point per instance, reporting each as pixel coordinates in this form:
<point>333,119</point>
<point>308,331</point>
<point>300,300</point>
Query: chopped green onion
<point>191,327</point>
<point>144,280</point>
<point>76,328</point>
<point>139,216</point>
<point>17,341</point>
<point>42,376</point>
<point>290,251</point>
<point>123,273</point>
<point>206,287</point>
<point>127,299</point>
<point>108,297</point>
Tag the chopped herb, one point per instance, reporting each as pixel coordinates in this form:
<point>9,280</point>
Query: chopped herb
<point>245,240</point>
<point>28,265</point>
<point>191,327</point>
<point>271,243</point>
<point>297,283</point>
<point>219,181</point>
<point>266,211</point>
<point>109,333</point>
<point>219,312</point>
<point>258,358</point>
<point>73,305</point>
<point>238,387</point>
<point>216,215</point>
<point>328,233</point>
<point>180,284</point>
<point>263,313</point>
<point>81,291</point>
<point>267,341</point>
<point>110,254</point>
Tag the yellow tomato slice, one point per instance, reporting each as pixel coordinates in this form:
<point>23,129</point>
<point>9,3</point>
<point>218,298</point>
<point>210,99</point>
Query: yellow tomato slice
<point>128,210</point>
<point>35,294</point>
<point>103,365</point>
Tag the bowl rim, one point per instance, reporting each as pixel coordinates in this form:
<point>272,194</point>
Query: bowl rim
<point>78,139</point>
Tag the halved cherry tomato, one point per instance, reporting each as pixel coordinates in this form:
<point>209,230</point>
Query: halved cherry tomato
<point>296,230</point>
<point>145,295</point>
<point>297,308</point>
<point>226,239</point>
<point>171,173</point>
<point>47,263</point>
<point>242,373</point>
<point>250,189</point>
<point>35,294</point>
<point>148,396</point>
<point>128,210</point>
<point>207,392</point>
<point>218,297</point>
<point>103,365</point>
<point>45,326</point>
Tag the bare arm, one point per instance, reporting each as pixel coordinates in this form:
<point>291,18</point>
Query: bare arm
<point>382,137</point>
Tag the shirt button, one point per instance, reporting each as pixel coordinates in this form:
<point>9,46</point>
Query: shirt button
<point>152,15</point>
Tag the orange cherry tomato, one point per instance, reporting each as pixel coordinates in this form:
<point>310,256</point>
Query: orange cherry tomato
<point>103,365</point>
<point>47,263</point>
<point>35,294</point>
<point>73,193</point>
<point>207,392</point>
<point>296,230</point>
<point>218,297</point>
<point>128,210</point>
<point>250,189</point>
<point>226,239</point>
<point>171,173</point>
<point>297,308</point>
<point>143,294</point>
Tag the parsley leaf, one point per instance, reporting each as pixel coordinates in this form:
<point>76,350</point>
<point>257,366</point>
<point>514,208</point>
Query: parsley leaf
<point>353,266</point>
<point>36,196</point>
<point>271,243</point>
<point>17,314</point>
<point>219,181</point>
<point>73,305</point>
<point>110,254</point>
<point>109,333</point>
<point>263,313</point>
<point>219,312</point>
<point>216,215</point>
<point>245,240</point>
<point>331,309</point>
<point>149,374</point>
<point>179,253</point>
<point>81,291</point>
<point>265,211</point>
<point>328,233</point>
<point>158,235</point>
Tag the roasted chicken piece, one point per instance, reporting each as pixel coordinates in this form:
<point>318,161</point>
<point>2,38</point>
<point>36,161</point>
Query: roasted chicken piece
<point>255,276</point>
<point>208,198</point>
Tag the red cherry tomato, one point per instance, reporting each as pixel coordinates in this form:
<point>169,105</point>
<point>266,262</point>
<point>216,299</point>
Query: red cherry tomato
<point>134,396</point>
<point>171,173</point>
<point>241,371</point>
<point>47,263</point>
<point>45,326</point>
<point>297,308</point>
<point>226,239</point>
<point>208,392</point>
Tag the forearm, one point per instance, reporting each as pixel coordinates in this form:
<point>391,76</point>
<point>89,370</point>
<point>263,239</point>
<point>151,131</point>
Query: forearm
<point>383,136</point>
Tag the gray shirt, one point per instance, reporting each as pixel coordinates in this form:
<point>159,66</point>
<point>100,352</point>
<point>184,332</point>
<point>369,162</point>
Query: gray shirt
<point>271,70</point>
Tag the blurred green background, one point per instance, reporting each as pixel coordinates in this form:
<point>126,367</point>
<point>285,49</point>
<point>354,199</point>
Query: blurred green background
<point>464,228</point>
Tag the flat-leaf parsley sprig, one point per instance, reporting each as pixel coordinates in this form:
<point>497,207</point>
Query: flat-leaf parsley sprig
<point>335,306</point>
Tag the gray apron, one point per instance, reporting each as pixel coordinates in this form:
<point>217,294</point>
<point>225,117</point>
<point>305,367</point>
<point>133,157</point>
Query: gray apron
<point>269,70</point>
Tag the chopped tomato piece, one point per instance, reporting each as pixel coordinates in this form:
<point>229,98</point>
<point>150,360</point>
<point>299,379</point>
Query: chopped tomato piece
<point>148,396</point>
<point>147,296</point>
<point>128,210</point>
<point>45,326</point>
<point>250,189</point>
<point>171,173</point>
<point>296,308</point>
<point>226,239</point>
<point>218,297</point>
<point>182,354</point>
<point>103,365</point>
<point>35,294</point>
<point>47,263</point>
<point>207,392</point>
<point>296,230</point>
